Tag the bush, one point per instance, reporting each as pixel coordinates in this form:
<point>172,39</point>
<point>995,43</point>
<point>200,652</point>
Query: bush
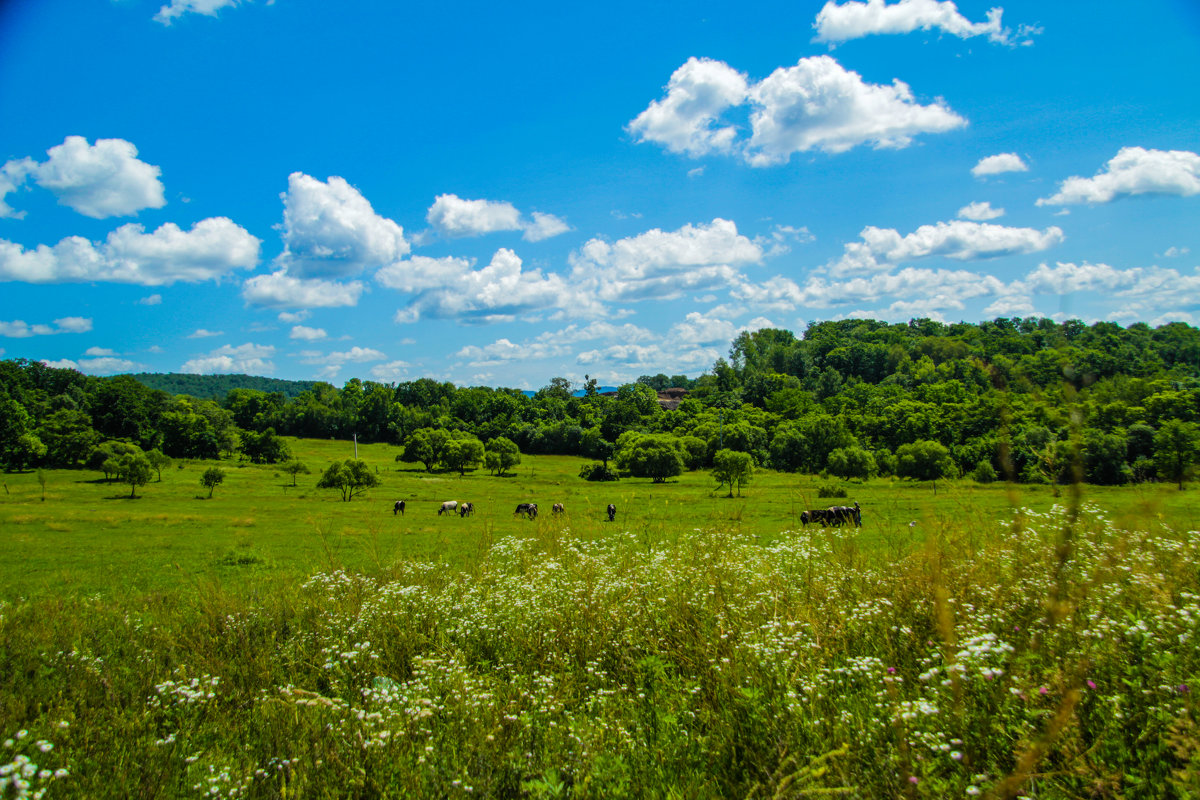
<point>984,472</point>
<point>597,472</point>
<point>830,490</point>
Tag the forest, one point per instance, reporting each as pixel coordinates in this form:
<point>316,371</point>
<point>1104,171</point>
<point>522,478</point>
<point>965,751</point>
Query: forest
<point>1029,400</point>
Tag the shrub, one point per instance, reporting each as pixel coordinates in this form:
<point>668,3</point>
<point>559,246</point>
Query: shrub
<point>830,490</point>
<point>597,472</point>
<point>984,472</point>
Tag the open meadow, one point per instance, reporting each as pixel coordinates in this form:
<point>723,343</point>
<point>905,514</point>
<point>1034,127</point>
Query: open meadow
<point>275,641</point>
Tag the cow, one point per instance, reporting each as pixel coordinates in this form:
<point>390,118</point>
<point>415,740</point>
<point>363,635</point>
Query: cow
<point>558,508</point>
<point>612,512</point>
<point>817,516</point>
<point>398,508</point>
<point>528,509</point>
<point>448,507</point>
<point>466,509</point>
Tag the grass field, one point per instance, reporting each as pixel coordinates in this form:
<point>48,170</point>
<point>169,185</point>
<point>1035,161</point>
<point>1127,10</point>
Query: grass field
<point>274,641</point>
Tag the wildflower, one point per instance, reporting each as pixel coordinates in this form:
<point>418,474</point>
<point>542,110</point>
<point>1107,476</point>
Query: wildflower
<point>891,670</point>
<point>1043,691</point>
<point>1182,688</point>
<point>956,755</point>
<point>1091,684</point>
<point>913,779</point>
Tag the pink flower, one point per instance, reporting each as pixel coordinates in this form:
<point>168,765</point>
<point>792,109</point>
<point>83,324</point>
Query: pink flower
<point>913,779</point>
<point>1091,684</point>
<point>1043,691</point>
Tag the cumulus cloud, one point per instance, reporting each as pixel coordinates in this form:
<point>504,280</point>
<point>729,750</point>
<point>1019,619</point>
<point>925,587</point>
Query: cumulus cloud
<point>97,352</point>
<point>452,216</point>
<point>150,300</point>
<point>202,333</point>
<point>177,8</point>
<point>945,287</point>
<point>815,105</point>
<point>308,334</point>
<point>213,248</point>
<point>551,344</point>
<point>882,248</point>
<point>280,290</point>
<point>1144,292</point>
<point>1176,252</point>
<point>251,359</point>
<point>391,371</point>
<point>102,180</point>
<point>105,365</point>
<point>662,264</point>
<point>1133,171</point>
<point>18,329</point>
<point>355,355</point>
<point>998,164</point>
<point>980,212</point>
<point>331,231</point>
<point>451,288</point>
<point>853,20</point>
<point>698,93</point>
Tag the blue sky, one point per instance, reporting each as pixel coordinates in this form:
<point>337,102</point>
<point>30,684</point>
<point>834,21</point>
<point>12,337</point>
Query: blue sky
<point>500,194</point>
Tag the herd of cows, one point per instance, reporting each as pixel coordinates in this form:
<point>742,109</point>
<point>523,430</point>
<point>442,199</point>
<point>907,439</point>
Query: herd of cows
<point>834,515</point>
<point>529,510</point>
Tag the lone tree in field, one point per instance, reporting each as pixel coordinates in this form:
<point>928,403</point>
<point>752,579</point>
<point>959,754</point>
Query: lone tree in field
<point>851,462</point>
<point>924,461</point>
<point>650,455</point>
<point>295,468</point>
<point>501,454</point>
<point>158,462</point>
<point>732,467</point>
<point>351,477</point>
<point>134,469</point>
<point>1176,446</point>
<point>212,477</point>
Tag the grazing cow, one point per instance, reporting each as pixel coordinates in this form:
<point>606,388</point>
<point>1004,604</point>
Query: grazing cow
<point>840,515</point>
<point>448,507</point>
<point>528,509</point>
<point>466,509</point>
<point>398,508</point>
<point>612,512</point>
<point>817,516</point>
<point>557,509</point>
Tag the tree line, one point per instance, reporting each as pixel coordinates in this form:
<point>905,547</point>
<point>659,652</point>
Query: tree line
<point>1031,400</point>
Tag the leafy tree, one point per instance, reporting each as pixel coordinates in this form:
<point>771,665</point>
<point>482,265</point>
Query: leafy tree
<point>426,445</point>
<point>14,422</point>
<point>212,478</point>
<point>1104,458</point>
<point>265,447</point>
<point>104,456</point>
<point>501,454</point>
<point>462,453</point>
<point>732,467</point>
<point>68,436</point>
<point>984,472</point>
<point>26,451</point>
<point>158,462</point>
<point>924,461</point>
<point>851,462</point>
<point>1176,446</point>
<point>350,477</point>
<point>295,468</point>
<point>134,469</point>
<point>654,456</point>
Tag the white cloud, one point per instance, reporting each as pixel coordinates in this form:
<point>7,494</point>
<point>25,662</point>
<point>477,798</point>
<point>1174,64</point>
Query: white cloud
<point>1175,252</point>
<point>1067,278</point>
<point>355,355</point>
<point>999,163</point>
<point>251,359</point>
<point>19,329</point>
<point>331,231</point>
<point>292,317</point>
<point>662,264</point>
<point>697,94</point>
<point>391,371</point>
<point>211,249</point>
<point>551,344</point>
<point>201,333</point>
<point>151,300</point>
<point>907,285</point>
<point>1133,171</point>
<point>818,104</point>
<point>99,351</point>
<point>280,290</point>
<point>177,8</point>
<point>96,366</point>
<point>980,212</point>
<point>839,23</point>
<point>101,180</point>
<point>1011,306</point>
<point>452,216</point>
<point>882,248</point>
<point>815,105</point>
<point>450,288</point>
<point>308,334</point>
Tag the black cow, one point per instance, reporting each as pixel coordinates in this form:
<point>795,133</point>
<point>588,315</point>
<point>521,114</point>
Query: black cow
<point>466,509</point>
<point>528,509</point>
<point>612,512</point>
<point>398,508</point>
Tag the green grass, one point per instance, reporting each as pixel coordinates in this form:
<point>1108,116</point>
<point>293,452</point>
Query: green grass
<point>276,642</point>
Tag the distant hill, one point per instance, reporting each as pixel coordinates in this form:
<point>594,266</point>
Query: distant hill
<point>215,387</point>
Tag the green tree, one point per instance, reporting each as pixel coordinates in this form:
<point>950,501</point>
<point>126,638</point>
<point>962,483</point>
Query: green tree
<point>851,462</point>
<point>265,447</point>
<point>654,456</point>
<point>924,461</point>
<point>104,456</point>
<point>212,478</point>
<point>350,477</point>
<point>426,445</point>
<point>26,451</point>
<point>732,467</point>
<point>463,452</point>
<point>502,453</point>
<point>134,469</point>
<point>68,436</point>
<point>1176,446</point>
<point>295,468</point>
<point>158,462</point>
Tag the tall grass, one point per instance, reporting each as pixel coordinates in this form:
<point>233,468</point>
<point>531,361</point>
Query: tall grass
<point>1053,654</point>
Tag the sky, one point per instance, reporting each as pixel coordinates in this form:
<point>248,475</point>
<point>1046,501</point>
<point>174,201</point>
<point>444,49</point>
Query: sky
<point>500,194</point>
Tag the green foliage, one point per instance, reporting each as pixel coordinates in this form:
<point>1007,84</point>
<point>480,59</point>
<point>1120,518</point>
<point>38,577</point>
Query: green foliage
<point>501,454</point>
<point>265,447</point>
<point>655,456</point>
<point>984,472</point>
<point>462,452</point>
<point>598,472</point>
<point>831,490</point>
<point>295,468</point>
<point>851,462</point>
<point>158,462</point>
<point>351,477</point>
<point>924,461</point>
<point>1176,449</point>
<point>732,468</point>
<point>212,478</point>
<point>132,468</point>
<point>26,451</point>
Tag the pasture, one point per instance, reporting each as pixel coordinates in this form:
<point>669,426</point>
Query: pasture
<point>274,641</point>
